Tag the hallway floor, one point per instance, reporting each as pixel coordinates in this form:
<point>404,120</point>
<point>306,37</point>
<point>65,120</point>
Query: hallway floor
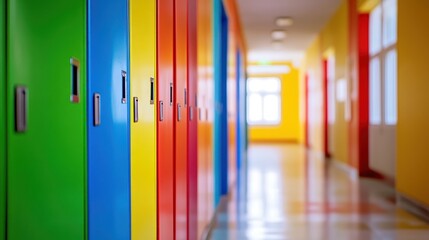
<point>293,194</point>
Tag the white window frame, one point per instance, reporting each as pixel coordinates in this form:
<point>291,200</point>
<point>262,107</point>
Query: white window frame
<point>381,55</point>
<point>263,94</point>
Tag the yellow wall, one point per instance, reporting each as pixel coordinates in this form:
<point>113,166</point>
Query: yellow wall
<point>288,129</point>
<point>365,6</point>
<point>333,39</point>
<point>413,99</point>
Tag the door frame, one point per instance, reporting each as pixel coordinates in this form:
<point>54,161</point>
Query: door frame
<point>325,79</point>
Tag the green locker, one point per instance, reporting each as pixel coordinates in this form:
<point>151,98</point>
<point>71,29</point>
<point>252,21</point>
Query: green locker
<point>2,122</point>
<point>46,119</point>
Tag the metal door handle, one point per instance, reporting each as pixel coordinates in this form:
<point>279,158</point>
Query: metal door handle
<point>21,99</point>
<point>136,109</point>
<point>74,64</point>
<point>97,117</point>
<point>124,87</point>
<point>171,94</point>
<point>161,111</point>
<point>152,86</point>
<point>191,113</point>
<point>185,96</point>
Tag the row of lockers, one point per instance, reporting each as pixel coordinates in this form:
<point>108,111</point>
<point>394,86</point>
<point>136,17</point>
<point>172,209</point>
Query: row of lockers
<point>101,116</point>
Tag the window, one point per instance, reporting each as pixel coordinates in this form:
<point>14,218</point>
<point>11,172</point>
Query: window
<point>389,23</point>
<point>264,101</point>
<point>383,64</point>
<point>374,92</point>
<point>375,31</point>
<point>390,88</point>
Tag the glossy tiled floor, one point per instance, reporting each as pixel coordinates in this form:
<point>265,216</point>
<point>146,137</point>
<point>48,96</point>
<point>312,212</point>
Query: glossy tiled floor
<point>288,193</point>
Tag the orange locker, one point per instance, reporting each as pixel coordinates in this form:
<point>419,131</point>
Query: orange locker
<point>202,186</point>
<point>165,119</point>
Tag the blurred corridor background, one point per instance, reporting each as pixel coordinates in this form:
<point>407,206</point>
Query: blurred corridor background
<point>335,100</point>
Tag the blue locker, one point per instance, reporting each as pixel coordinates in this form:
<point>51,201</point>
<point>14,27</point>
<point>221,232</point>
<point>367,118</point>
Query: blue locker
<point>108,120</point>
<point>220,39</point>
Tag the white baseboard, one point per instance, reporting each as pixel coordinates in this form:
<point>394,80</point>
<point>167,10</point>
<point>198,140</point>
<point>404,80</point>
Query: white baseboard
<point>351,171</point>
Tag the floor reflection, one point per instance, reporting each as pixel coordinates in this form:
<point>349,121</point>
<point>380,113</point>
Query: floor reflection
<point>289,193</point>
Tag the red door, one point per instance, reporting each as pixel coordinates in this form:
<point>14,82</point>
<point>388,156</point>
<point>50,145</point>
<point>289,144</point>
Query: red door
<point>192,121</point>
<point>325,109</point>
<point>181,117</point>
<point>165,124</point>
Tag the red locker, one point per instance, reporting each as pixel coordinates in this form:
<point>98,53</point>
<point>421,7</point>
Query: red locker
<point>165,120</point>
<point>181,118</point>
<point>192,122</point>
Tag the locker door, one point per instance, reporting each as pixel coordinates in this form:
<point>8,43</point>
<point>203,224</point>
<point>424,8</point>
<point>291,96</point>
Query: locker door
<point>143,116</point>
<point>203,29</point>
<point>209,103</point>
<point>192,122</point>
<point>2,122</point>
<point>220,161</point>
<point>181,117</point>
<point>46,100</point>
<point>108,120</point>
<point>165,48</point>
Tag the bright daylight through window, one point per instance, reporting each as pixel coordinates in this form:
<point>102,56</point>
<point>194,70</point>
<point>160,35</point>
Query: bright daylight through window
<point>383,65</point>
<point>264,101</point>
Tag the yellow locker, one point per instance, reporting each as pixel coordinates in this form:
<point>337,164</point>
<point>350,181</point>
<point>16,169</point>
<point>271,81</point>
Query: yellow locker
<point>143,119</point>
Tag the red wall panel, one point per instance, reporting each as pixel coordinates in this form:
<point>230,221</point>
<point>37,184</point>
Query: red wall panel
<point>325,108</point>
<point>363,94</point>
<point>359,75</point>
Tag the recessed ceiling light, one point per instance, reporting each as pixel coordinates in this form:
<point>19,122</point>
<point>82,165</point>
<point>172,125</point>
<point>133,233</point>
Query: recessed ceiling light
<point>284,21</point>
<point>277,44</point>
<point>278,34</point>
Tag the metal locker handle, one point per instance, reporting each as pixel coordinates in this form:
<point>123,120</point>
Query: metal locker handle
<point>74,79</point>
<point>161,111</point>
<point>124,87</point>
<point>152,90</point>
<point>191,113</point>
<point>136,109</point>
<point>97,102</point>
<point>171,94</point>
<point>21,95</point>
<point>200,114</point>
<point>179,114</point>
<point>185,96</point>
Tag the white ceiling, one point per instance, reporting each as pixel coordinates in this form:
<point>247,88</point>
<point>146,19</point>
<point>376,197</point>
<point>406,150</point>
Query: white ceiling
<point>258,17</point>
